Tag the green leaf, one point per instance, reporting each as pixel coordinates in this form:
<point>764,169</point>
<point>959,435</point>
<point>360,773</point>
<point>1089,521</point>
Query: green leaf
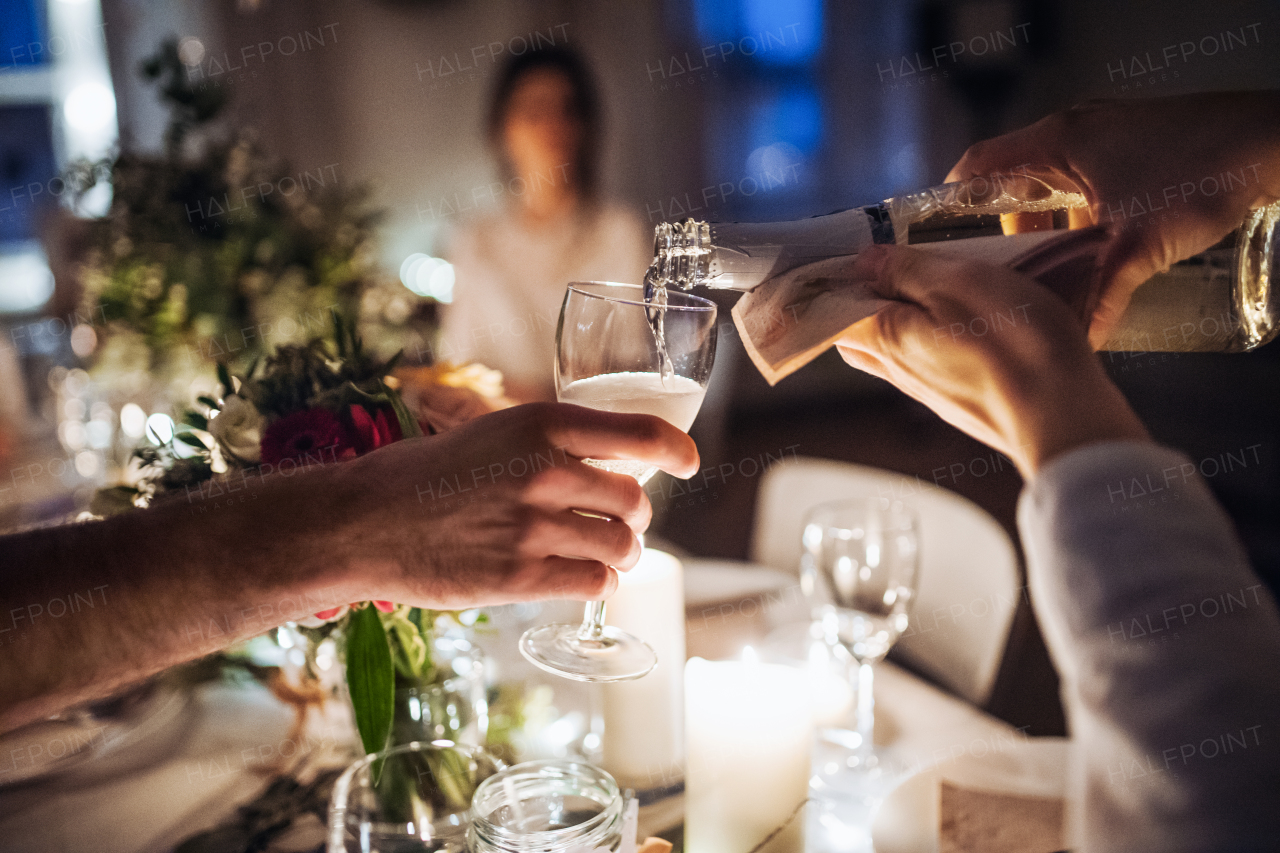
<point>408,423</point>
<point>196,420</point>
<point>358,393</point>
<point>370,677</point>
<point>207,401</point>
<point>412,659</point>
<point>454,775</point>
<point>192,440</point>
<point>224,376</point>
<point>339,335</point>
<point>391,363</point>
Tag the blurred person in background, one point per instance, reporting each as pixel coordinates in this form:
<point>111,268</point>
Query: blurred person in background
<point>513,264</point>
<point>13,402</point>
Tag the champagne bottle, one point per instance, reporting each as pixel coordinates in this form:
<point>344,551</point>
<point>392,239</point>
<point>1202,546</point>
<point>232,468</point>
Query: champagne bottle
<point>1220,300</point>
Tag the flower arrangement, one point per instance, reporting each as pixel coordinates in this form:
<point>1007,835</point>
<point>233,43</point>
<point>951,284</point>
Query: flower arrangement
<point>214,250</point>
<point>307,402</point>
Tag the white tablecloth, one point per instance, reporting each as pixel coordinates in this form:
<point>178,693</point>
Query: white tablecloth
<point>231,738</point>
<point>218,755</point>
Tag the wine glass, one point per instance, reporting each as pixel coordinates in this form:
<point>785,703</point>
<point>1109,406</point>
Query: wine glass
<point>608,357</point>
<point>412,797</point>
<point>859,567</point>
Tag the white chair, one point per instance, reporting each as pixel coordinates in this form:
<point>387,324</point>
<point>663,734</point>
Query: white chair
<point>969,583</point>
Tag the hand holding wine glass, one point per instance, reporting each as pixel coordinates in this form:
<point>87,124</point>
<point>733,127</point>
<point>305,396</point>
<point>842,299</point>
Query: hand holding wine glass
<point>608,357</point>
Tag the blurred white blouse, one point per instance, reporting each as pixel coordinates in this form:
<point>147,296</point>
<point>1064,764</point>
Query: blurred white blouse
<point>511,278</point>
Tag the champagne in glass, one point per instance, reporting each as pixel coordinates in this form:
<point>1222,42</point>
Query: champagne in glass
<point>608,358</point>
<point>676,400</point>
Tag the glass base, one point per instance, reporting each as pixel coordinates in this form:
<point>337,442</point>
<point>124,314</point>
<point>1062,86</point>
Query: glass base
<point>842,771</point>
<point>615,656</point>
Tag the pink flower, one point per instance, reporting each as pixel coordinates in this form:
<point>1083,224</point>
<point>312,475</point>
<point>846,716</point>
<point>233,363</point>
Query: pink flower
<point>338,612</point>
<point>302,433</point>
<point>324,616</point>
<point>369,432</point>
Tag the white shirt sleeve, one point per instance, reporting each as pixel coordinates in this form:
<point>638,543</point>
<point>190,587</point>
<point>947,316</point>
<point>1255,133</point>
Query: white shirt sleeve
<point>1168,647</point>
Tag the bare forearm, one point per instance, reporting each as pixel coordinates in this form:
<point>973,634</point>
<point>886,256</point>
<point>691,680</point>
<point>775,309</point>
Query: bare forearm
<point>222,563</point>
<point>1068,407</point>
<point>86,608</point>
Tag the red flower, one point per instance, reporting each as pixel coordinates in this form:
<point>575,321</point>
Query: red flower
<point>314,430</point>
<point>302,433</point>
<point>369,432</point>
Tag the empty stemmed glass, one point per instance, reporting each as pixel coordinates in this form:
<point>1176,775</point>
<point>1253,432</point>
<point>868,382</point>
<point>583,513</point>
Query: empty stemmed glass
<point>608,358</point>
<point>859,568</point>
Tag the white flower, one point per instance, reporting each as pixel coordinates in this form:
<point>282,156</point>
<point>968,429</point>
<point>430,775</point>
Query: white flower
<point>238,427</point>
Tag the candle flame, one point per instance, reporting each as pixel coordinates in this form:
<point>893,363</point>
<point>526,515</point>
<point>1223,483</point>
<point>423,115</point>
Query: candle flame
<point>749,655</point>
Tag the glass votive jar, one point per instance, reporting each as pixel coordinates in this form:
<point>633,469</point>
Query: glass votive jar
<point>550,806</point>
<point>413,797</point>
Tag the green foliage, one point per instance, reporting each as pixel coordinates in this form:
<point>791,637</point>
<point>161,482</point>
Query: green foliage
<point>410,652</point>
<point>454,776</point>
<point>370,676</point>
<point>194,249</point>
<point>409,427</point>
<point>294,379</point>
<point>190,106</point>
<point>186,473</point>
<point>224,379</point>
<point>308,377</point>
<point>191,440</point>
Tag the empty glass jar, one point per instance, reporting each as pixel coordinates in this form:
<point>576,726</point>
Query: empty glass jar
<point>553,806</point>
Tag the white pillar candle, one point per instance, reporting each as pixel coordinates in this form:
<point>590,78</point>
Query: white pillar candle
<point>643,745</point>
<point>829,687</point>
<point>749,733</point>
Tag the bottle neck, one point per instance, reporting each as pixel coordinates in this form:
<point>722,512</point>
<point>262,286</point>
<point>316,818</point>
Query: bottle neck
<point>682,252</point>
<point>741,255</point>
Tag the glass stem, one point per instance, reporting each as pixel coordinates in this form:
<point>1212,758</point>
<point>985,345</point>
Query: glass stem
<point>866,713</point>
<point>592,621</point>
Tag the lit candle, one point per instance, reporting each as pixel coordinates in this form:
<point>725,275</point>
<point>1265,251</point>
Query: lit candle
<point>750,731</point>
<point>643,745</point>
<point>832,694</point>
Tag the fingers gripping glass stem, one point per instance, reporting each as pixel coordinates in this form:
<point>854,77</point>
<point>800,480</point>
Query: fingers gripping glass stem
<point>592,629</point>
<point>608,358</point>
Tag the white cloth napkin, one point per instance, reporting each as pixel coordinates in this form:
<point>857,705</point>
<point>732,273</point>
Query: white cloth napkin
<point>790,320</point>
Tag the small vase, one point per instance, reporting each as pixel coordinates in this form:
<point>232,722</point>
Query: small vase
<point>452,706</point>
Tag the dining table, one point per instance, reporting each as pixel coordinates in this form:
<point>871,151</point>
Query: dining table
<point>207,750</point>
